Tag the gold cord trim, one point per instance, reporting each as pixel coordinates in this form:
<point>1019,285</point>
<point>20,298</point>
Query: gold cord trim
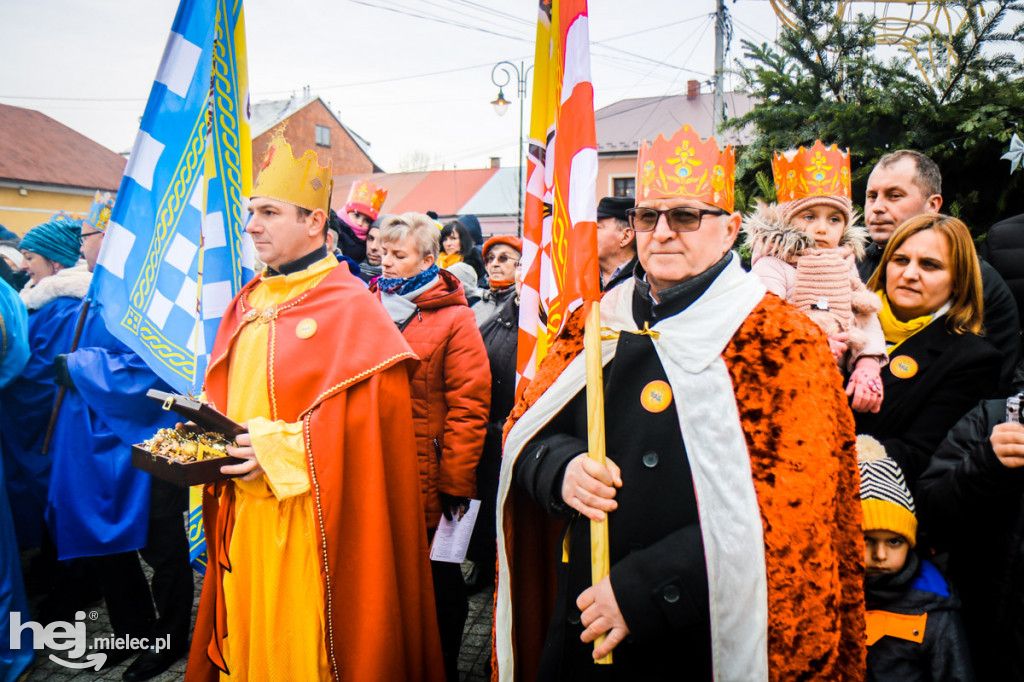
<point>362,375</point>
<point>613,334</point>
<point>323,536</point>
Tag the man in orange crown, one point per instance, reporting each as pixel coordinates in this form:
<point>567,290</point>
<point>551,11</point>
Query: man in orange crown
<point>730,490</point>
<point>318,566</point>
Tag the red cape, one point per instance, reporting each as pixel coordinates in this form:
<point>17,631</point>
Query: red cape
<point>349,385</point>
<point>800,437</point>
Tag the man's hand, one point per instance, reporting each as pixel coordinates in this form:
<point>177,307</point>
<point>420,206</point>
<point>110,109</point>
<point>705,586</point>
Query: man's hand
<point>589,488</point>
<point>1008,444</point>
<point>600,615</point>
<point>243,448</point>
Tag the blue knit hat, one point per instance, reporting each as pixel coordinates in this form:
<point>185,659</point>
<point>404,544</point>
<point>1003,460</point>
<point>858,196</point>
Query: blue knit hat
<point>58,240</point>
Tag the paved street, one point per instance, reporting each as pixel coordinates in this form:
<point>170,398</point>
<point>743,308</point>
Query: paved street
<point>474,656</point>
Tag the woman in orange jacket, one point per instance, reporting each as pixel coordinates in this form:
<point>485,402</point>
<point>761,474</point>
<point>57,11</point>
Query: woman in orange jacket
<point>451,391</point>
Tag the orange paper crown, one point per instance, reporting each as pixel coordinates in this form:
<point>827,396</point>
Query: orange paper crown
<point>302,182</point>
<point>686,167</point>
<point>814,172</point>
<point>366,198</point>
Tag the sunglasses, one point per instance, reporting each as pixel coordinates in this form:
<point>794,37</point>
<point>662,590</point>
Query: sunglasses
<point>680,219</point>
<point>503,258</point>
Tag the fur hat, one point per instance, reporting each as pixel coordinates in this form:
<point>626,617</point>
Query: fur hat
<point>884,497</point>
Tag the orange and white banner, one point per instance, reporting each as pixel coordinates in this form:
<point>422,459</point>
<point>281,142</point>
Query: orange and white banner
<point>560,270</point>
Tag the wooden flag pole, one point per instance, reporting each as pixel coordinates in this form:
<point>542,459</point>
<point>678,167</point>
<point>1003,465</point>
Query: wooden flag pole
<point>599,562</point>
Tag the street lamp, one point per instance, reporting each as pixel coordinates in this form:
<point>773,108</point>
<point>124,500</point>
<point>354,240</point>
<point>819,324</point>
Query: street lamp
<point>501,75</point>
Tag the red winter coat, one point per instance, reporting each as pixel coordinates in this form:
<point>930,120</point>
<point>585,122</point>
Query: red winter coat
<point>451,393</point>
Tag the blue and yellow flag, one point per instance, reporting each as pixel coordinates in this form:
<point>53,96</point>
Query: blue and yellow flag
<point>175,251</point>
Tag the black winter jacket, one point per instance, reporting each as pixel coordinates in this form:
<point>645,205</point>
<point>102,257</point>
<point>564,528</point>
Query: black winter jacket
<point>948,374</point>
<point>501,336</point>
<point>972,506</point>
<point>942,655</point>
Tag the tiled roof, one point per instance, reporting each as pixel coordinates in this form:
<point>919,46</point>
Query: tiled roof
<point>623,125</point>
<point>444,192</point>
<point>34,148</point>
<point>398,186</point>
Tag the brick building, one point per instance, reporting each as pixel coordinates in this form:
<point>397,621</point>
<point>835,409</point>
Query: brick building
<point>311,125</point>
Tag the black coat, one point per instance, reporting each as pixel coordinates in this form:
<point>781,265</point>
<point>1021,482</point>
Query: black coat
<point>501,336</point>
<point>1004,249</point>
<point>624,273</point>
<point>656,551</point>
<point>972,507</point>
<point>1002,323</point>
<point>942,655</point>
<point>954,372</point>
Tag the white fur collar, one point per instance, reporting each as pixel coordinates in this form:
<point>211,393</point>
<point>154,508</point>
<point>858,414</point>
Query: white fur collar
<point>70,282</point>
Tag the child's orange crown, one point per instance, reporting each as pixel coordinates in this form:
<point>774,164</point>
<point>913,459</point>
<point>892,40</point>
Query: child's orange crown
<point>814,172</point>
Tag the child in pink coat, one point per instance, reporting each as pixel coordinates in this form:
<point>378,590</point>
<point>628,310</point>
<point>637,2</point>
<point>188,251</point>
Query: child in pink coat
<point>805,248</point>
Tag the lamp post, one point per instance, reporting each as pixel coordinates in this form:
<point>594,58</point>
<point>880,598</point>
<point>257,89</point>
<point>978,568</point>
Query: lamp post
<point>501,75</point>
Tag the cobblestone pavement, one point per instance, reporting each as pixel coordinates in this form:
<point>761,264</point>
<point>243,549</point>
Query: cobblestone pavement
<point>474,657</point>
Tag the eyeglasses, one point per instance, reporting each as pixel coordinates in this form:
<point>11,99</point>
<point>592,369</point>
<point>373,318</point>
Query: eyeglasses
<point>680,219</point>
<point>503,258</point>
<point>86,235</point>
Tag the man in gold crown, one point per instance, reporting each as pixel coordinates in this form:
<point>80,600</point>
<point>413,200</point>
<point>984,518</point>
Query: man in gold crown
<point>730,490</point>
<point>318,565</point>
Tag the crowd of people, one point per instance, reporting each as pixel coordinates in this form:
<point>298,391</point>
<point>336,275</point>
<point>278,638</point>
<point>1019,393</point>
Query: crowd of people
<point>813,455</point>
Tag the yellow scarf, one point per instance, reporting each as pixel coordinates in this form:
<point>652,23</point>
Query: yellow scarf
<point>448,259</point>
<point>896,331</point>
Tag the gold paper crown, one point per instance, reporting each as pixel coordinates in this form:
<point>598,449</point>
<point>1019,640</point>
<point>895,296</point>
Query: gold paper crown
<point>366,197</point>
<point>814,172</point>
<point>302,182</point>
<point>686,167</point>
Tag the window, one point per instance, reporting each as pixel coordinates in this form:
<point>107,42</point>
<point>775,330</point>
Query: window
<point>624,187</point>
<point>323,136</point>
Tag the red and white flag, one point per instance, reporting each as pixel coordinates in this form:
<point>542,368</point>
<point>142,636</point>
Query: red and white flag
<point>560,270</point>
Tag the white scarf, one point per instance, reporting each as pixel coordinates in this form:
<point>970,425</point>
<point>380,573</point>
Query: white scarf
<point>689,346</point>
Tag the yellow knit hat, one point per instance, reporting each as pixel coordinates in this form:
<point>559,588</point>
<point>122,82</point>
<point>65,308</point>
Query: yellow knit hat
<point>884,497</point>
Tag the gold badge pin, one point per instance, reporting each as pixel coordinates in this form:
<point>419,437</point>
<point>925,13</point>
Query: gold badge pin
<point>656,396</point>
<point>903,366</point>
<point>306,328</point>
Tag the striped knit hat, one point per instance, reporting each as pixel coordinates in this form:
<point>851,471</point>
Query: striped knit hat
<point>884,497</point>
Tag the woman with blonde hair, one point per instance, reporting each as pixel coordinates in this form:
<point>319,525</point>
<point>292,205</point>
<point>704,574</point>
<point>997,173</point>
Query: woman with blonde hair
<point>451,393</point>
<point>940,365</point>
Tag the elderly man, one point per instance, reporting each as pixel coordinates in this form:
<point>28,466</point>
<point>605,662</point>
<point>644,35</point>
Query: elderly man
<point>616,241</point>
<point>905,184</point>
<point>318,554</point>
<point>730,487</point>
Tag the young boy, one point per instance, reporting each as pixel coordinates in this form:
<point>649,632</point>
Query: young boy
<point>914,631</point>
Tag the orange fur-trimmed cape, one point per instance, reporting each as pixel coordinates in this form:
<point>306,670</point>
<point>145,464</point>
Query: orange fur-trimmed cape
<point>800,438</point>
